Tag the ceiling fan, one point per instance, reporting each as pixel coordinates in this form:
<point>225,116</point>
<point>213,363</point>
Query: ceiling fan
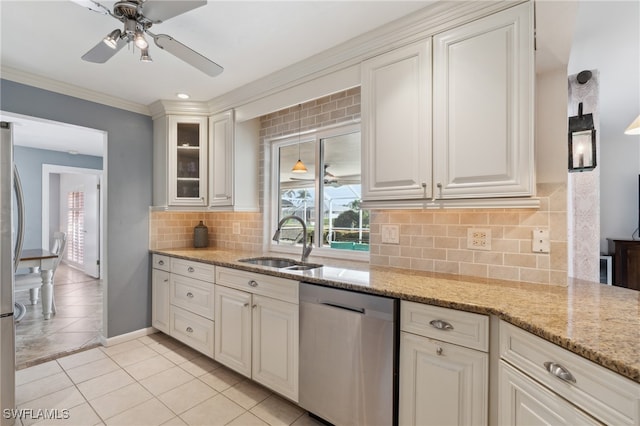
<point>138,16</point>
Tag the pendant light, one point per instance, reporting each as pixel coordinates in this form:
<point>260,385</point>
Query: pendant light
<point>299,167</point>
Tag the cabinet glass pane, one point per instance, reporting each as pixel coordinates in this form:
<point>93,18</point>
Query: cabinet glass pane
<point>189,134</point>
<point>188,162</point>
<point>188,189</point>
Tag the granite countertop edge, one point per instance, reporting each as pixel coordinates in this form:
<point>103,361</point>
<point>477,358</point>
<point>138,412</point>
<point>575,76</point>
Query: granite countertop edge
<point>229,258</point>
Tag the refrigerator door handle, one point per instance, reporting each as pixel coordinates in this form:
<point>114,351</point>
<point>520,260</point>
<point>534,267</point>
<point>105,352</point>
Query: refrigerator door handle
<point>20,235</point>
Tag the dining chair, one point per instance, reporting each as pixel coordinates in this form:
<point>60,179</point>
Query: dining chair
<point>33,281</point>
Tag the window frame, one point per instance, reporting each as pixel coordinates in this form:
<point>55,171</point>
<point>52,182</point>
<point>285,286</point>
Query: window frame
<point>273,199</point>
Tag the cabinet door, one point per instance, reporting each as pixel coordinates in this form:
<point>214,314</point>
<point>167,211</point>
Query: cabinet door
<point>483,107</point>
<point>523,401</point>
<point>160,291</point>
<point>275,345</point>
<point>233,329</point>
<point>221,136</point>
<point>187,161</point>
<point>396,124</point>
<point>441,384</point>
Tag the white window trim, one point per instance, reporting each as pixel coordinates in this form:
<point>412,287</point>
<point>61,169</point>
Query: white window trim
<point>271,204</point>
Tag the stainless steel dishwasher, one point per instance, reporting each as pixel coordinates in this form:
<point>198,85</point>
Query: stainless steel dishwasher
<point>348,367</point>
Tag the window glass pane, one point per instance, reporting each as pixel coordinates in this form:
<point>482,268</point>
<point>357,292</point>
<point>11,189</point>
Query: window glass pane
<point>297,191</point>
<point>344,225</point>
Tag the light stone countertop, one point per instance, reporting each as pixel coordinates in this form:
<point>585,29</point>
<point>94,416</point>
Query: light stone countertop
<point>599,322</point>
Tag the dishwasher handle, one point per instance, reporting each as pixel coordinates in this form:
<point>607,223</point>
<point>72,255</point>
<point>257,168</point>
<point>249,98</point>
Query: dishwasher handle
<point>345,307</point>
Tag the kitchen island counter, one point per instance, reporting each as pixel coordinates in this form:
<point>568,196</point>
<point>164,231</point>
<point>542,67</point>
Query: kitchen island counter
<point>598,322</point>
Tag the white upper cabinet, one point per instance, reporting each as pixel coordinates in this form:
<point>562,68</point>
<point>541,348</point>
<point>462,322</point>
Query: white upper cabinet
<point>396,124</point>
<point>221,129</point>
<point>483,107</point>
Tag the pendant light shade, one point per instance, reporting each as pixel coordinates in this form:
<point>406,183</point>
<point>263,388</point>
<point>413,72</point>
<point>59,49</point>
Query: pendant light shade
<point>634,128</point>
<point>299,167</point>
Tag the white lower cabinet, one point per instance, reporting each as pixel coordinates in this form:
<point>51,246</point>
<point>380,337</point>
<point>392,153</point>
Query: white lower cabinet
<point>442,383</point>
<point>256,334</point>
<point>160,300</point>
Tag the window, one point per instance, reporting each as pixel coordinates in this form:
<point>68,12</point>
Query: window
<point>328,196</point>
<point>75,227</point>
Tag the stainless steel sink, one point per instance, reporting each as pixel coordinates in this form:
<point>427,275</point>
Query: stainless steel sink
<point>281,263</point>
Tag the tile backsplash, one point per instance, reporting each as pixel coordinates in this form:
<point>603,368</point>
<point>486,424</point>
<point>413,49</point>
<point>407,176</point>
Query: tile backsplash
<point>436,240</point>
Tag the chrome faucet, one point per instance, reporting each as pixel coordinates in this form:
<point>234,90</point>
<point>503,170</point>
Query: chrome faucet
<point>305,250</point>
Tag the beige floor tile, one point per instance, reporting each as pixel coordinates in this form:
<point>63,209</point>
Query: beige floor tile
<point>221,378</point>
<point>277,411</point>
<point>81,358</point>
<point>149,367</point>
<point>306,420</point>
<point>61,400</point>
<point>247,419</point>
<point>176,421</point>
<point>81,415</point>
<point>93,369</point>
<point>120,400</point>
<point>41,387</point>
<point>122,347</point>
<point>149,413</point>
<point>37,372</point>
<point>152,338</point>
<point>178,356</point>
<point>218,410</point>
<point>104,384</point>
<point>186,396</point>
<point>200,365</point>
<point>163,346</point>
<point>166,380</point>
<point>247,394</point>
<point>133,356</point>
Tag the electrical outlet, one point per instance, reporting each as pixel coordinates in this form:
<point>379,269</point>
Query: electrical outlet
<point>479,238</point>
<point>236,228</point>
<point>540,241</point>
<point>390,234</point>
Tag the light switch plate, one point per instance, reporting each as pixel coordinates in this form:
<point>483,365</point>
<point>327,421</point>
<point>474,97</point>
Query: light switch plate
<point>540,242</point>
<point>390,234</point>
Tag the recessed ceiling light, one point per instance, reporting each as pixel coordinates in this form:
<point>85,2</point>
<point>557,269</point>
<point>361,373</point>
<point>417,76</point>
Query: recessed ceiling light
<point>183,95</point>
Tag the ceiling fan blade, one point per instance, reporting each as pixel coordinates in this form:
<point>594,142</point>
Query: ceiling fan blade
<point>101,53</point>
<point>159,11</point>
<point>188,55</point>
<point>92,5</point>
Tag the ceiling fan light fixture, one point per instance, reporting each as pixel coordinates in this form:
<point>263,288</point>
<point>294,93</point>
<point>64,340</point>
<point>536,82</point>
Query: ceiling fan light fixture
<point>112,38</point>
<point>299,167</point>
<point>144,55</point>
<point>140,41</point>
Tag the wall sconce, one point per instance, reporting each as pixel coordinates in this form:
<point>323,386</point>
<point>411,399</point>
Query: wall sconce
<point>582,142</point>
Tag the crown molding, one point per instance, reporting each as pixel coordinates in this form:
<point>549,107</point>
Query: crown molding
<point>172,107</point>
<point>45,83</point>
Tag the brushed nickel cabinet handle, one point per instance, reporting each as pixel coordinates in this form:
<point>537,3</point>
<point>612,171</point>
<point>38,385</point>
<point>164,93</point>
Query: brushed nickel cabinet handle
<point>441,325</point>
<point>190,269</point>
<point>559,371</point>
<point>246,304</point>
<point>190,295</point>
<point>439,350</point>
<point>253,283</point>
<point>160,262</point>
<point>189,330</point>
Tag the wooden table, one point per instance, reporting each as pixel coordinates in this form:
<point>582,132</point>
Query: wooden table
<point>45,260</point>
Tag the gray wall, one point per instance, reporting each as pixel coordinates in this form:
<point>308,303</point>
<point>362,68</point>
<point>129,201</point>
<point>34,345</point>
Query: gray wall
<point>607,39</point>
<point>29,162</point>
<point>128,168</point>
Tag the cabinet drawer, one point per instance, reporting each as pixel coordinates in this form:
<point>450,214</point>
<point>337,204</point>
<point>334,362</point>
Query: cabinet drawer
<point>161,262</point>
<point>448,325</point>
<point>265,285</point>
<point>192,330</point>
<point>193,295</point>
<point>609,397</point>
<point>197,270</point>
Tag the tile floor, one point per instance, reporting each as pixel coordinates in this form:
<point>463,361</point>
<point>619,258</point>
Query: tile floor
<point>153,380</point>
<point>77,324</point>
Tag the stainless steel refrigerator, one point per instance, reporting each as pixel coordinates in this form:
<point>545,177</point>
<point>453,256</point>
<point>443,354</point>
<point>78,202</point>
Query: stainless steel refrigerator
<point>11,236</point>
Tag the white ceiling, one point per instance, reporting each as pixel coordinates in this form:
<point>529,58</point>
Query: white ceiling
<point>250,39</point>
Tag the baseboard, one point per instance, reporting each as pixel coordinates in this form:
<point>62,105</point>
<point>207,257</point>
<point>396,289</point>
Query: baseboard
<point>127,336</point>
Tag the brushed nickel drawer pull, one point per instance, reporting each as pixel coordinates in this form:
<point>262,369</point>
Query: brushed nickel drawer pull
<point>441,325</point>
<point>190,269</point>
<point>160,262</point>
<point>439,350</point>
<point>246,304</point>
<point>190,295</point>
<point>253,283</point>
<point>189,330</point>
<point>559,371</point>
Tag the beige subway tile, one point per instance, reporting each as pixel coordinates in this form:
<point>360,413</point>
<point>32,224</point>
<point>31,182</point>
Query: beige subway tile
<point>474,269</point>
<point>536,218</point>
<point>505,246</point>
<point>410,251</point>
<point>534,275</point>
<point>558,226</point>
<point>510,273</point>
<point>434,253</point>
<point>558,256</point>
<point>422,241</point>
<point>518,232</point>
<point>434,230</point>
<point>490,258</point>
<point>459,231</point>
<point>446,267</point>
<point>399,217</point>
<point>389,250</point>
<point>459,255</point>
<point>446,242</point>
<point>422,217</point>
<point>379,216</point>
<point>543,261</point>
<point>405,240</point>
<point>409,229</point>
<point>523,260</point>
<point>422,264</point>
<point>379,260</point>
<point>526,246</point>
<point>558,278</point>
<point>400,262</point>
<point>504,218</point>
<point>474,218</point>
<point>446,218</point>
